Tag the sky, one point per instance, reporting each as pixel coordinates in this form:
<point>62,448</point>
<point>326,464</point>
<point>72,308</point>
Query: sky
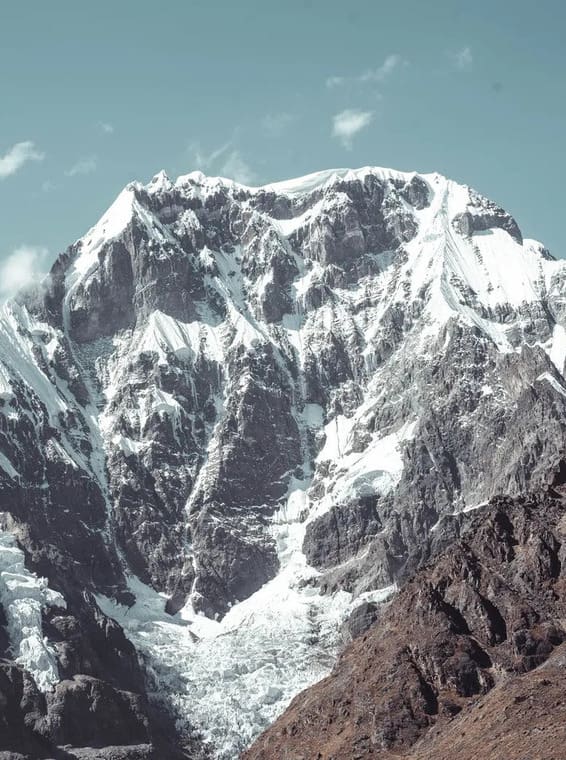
<point>94,95</point>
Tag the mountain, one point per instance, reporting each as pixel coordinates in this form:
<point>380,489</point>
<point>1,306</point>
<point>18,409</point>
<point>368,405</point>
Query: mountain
<point>486,670</point>
<point>485,673</point>
<point>232,415</point>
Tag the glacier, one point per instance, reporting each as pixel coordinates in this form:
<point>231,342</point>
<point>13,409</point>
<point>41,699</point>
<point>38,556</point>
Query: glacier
<point>23,596</point>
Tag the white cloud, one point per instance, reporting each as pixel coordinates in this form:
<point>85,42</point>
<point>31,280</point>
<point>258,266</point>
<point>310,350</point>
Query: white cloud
<point>347,124</point>
<point>227,161</point>
<point>388,66</point>
<point>26,265</point>
<point>335,82</point>
<point>463,59</point>
<point>18,155</point>
<point>83,166</point>
<point>205,161</point>
<point>276,123</point>
<point>236,167</point>
<point>371,76</point>
<point>105,127</point>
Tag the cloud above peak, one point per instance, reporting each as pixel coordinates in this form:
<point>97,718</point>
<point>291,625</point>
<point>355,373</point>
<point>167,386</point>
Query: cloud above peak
<point>237,168</point>
<point>347,124</point>
<point>83,166</point>
<point>18,155</point>
<point>226,161</point>
<point>275,124</point>
<point>25,266</point>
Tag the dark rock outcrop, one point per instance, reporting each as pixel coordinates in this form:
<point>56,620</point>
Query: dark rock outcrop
<point>341,533</point>
<point>488,608</point>
<point>101,702</point>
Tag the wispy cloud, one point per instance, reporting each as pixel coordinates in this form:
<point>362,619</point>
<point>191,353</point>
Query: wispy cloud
<point>463,59</point>
<point>23,267</point>
<point>336,81</point>
<point>203,160</point>
<point>384,71</point>
<point>226,161</point>
<point>347,124</point>
<point>275,124</point>
<point>83,166</point>
<point>18,155</point>
<point>237,168</point>
<point>370,76</point>
<point>105,127</point>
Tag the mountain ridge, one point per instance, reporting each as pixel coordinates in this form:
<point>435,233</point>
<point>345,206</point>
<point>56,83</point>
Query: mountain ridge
<point>232,406</point>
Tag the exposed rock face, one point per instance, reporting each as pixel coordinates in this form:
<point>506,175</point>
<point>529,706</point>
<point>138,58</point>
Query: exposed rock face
<point>83,712</point>
<point>341,533</point>
<point>362,618</point>
<point>522,717</point>
<point>84,709</point>
<point>216,377</point>
<point>203,321</point>
<point>487,608</point>
<point>69,677</point>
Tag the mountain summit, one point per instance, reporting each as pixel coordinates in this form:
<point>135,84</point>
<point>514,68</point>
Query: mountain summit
<point>231,414</point>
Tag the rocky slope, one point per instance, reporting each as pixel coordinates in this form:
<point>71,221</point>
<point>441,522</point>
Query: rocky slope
<point>523,717</point>
<point>229,407</point>
<point>442,672</point>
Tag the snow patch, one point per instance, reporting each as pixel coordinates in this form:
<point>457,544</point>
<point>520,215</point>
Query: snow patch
<point>553,382</point>
<point>557,349</point>
<point>110,225</point>
<point>328,177</point>
<point>473,507</point>
<point>164,334</point>
<point>8,468</point>
<point>375,470</point>
<point>287,226</point>
<point>509,274</point>
<point>377,596</point>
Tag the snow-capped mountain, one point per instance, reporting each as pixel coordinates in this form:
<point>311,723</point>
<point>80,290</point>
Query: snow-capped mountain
<point>231,413</point>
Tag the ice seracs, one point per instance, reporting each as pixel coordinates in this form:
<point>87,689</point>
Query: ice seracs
<point>239,674</point>
<point>23,596</point>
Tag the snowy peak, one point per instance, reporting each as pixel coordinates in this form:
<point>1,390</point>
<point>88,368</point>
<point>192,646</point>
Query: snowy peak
<point>430,207</point>
<point>271,402</point>
<point>416,230</point>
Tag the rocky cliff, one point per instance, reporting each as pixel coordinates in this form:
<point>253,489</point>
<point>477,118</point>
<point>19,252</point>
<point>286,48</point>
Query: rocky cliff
<point>467,658</point>
<point>231,414</point>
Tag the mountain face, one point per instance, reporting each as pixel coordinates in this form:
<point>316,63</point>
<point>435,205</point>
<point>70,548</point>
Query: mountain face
<point>486,671</point>
<point>230,415</point>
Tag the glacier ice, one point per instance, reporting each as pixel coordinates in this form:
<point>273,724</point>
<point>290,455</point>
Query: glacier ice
<point>23,595</point>
<point>232,678</point>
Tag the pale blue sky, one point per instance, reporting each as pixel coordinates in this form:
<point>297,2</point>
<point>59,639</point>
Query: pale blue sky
<point>108,92</point>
